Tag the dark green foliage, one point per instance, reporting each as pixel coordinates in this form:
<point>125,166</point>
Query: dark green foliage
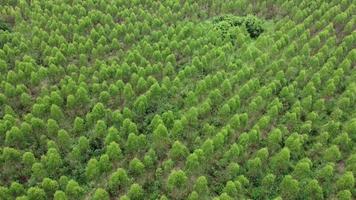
<point>4,27</point>
<point>227,25</point>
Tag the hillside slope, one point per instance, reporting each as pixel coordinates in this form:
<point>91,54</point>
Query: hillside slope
<point>228,99</point>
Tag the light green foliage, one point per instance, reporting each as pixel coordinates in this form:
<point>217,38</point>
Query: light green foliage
<point>176,180</point>
<point>74,190</point>
<point>136,192</point>
<point>59,195</point>
<point>346,181</point>
<point>289,188</point>
<point>36,193</point>
<point>178,151</point>
<point>281,161</point>
<point>332,154</point>
<point>198,100</point>
<point>101,194</point>
<point>118,180</point>
<point>136,167</point>
<point>313,190</point>
<point>113,151</point>
<point>92,170</point>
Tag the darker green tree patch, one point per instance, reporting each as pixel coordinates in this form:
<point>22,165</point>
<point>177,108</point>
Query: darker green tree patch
<point>252,24</point>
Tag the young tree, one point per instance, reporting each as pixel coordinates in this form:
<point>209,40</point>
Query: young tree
<point>83,144</point>
<point>74,190</point>
<point>150,158</point>
<point>233,170</point>
<point>224,196</point>
<point>114,152</point>
<point>141,105</point>
<point>160,138</point>
<point>28,159</point>
<point>235,122</point>
<point>101,194</point>
<point>136,167</point>
<point>36,193</point>
<point>100,129</point>
<point>71,101</point>
<point>176,180</point>
<point>332,154</point>
<point>295,143</point>
<point>64,140</point>
<point>112,136</point>
<point>78,125</point>
<point>118,181</point>
<point>128,92</point>
<point>59,195</point>
<point>344,195</point>
<point>98,111</point>
<point>56,112</point>
<point>201,186</point>
<point>52,128</point>
<point>14,137</point>
<point>267,184</point>
<point>38,172</point>
<point>254,167</point>
<point>231,189</point>
<point>82,98</point>
<point>136,192</point>
<point>346,181</point>
<point>177,130</point>
<point>92,170</point>
<point>313,190</point>
<point>208,147</point>
<point>52,161</point>
<point>50,186</point>
<point>280,162</point>
<point>274,139</point>
<point>178,151</point>
<point>289,188</point>
<point>104,163</point>
<point>5,193</point>
<point>135,143</point>
<point>302,170</point>
<point>16,189</point>
<point>193,196</point>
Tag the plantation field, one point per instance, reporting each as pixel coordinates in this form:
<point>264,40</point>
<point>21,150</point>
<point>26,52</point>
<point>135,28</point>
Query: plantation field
<point>177,99</point>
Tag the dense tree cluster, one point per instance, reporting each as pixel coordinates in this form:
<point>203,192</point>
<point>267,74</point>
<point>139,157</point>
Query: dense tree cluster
<point>144,99</point>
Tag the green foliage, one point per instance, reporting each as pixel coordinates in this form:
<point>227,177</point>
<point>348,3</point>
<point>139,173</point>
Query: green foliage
<point>101,194</point>
<point>201,185</point>
<point>178,151</point>
<point>92,171</point>
<point>289,188</point>
<point>228,23</point>
<point>35,193</point>
<point>176,180</point>
<point>74,190</point>
<point>332,154</point>
<point>59,195</point>
<point>281,161</point>
<point>114,152</point>
<point>346,181</point>
<point>4,26</point>
<point>313,190</point>
<point>118,180</point>
<point>136,192</point>
<point>136,167</point>
<point>195,100</point>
